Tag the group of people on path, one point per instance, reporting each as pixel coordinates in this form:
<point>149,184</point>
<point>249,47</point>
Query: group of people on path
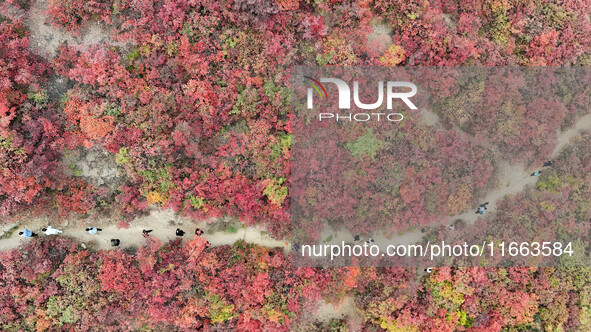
<point>369,240</point>
<point>94,230</point>
<point>482,207</point>
<point>48,231</point>
<point>546,164</point>
<point>54,231</point>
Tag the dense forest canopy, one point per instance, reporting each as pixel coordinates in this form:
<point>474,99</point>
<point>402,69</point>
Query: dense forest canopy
<point>189,101</point>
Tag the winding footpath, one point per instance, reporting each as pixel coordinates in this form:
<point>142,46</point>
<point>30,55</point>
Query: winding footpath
<point>163,223</point>
<point>513,179</point>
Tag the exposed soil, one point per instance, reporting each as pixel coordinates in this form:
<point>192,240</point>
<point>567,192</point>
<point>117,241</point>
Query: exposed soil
<point>379,39</point>
<point>429,118</point>
<point>45,38</point>
<point>96,165</point>
<point>564,138</point>
<point>346,309</point>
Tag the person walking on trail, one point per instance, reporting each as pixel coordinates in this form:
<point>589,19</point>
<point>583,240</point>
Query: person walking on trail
<point>51,231</point>
<point>93,230</point>
<point>27,233</point>
<point>536,173</point>
<point>548,163</point>
<point>482,208</point>
<point>180,232</point>
<point>146,232</point>
<point>115,242</point>
<point>198,232</point>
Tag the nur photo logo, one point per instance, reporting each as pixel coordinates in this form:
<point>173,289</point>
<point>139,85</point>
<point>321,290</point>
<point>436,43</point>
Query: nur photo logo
<point>389,91</point>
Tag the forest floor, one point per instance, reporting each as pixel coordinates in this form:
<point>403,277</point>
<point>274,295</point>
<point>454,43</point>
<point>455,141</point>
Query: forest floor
<point>45,38</point>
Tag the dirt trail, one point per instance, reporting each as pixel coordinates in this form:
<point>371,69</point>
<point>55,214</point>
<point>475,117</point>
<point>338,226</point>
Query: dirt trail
<point>345,309</point>
<point>513,179</point>
<point>583,123</point>
<point>163,223</point>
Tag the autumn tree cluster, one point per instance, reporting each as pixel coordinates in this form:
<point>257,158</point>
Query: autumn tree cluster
<point>191,99</point>
<point>51,285</point>
<point>54,284</point>
<point>32,135</point>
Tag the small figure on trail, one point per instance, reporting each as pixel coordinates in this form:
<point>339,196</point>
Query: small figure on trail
<point>207,244</point>
<point>429,269</point>
<point>115,242</point>
<point>356,238</point>
<point>548,163</point>
<point>93,230</point>
<point>536,173</point>
<point>482,208</point>
<point>51,231</point>
<point>180,232</point>
<point>370,240</point>
<point>425,229</point>
<point>452,227</point>
<point>27,233</point>
<point>146,232</point>
<point>198,232</point>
